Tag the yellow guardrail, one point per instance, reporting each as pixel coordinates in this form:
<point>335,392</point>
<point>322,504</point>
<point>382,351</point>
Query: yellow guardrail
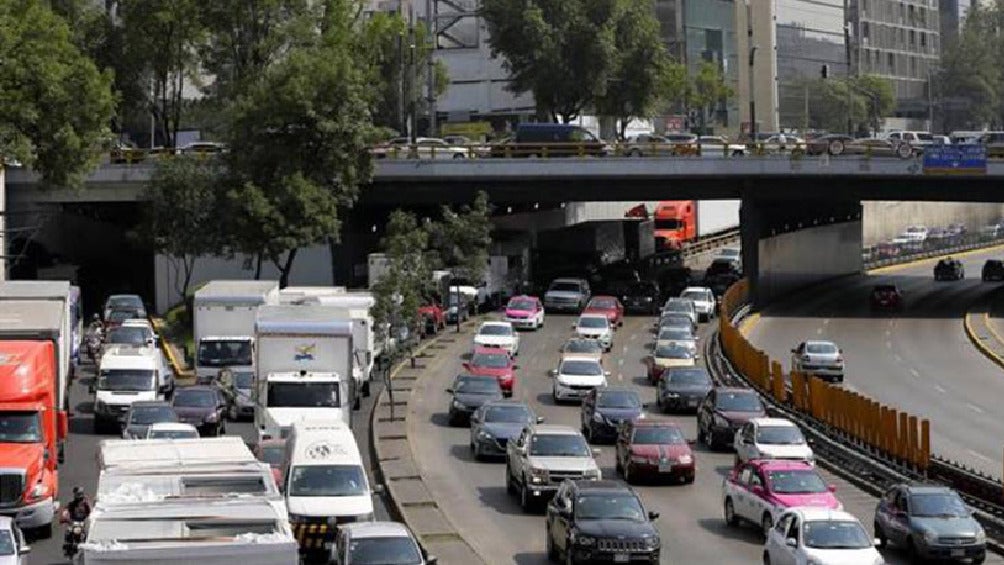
<point>894,433</point>
<point>177,366</point>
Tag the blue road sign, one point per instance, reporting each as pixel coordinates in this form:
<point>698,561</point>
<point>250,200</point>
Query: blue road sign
<point>955,159</point>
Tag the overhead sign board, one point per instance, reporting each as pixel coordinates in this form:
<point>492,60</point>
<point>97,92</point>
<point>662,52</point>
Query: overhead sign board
<point>963,159</point>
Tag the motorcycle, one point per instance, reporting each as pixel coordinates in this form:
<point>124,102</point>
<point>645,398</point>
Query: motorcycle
<point>73,538</point>
<point>94,340</point>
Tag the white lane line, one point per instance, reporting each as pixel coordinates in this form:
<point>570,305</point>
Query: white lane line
<point>897,357</point>
<point>888,345</point>
<point>826,321</point>
<point>633,337</point>
<point>620,376</point>
<point>915,373</point>
<point>974,408</point>
<point>979,455</point>
<point>819,331</point>
<point>940,389</point>
<point>888,333</point>
<point>620,362</point>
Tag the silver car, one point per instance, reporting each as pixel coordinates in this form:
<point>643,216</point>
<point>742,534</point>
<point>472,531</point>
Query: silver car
<point>677,305</point>
<point>930,522</point>
<point>363,541</point>
<point>567,294</point>
<point>703,299</point>
<point>821,358</point>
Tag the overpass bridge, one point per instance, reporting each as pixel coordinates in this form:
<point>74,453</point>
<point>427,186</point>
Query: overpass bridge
<point>801,215</point>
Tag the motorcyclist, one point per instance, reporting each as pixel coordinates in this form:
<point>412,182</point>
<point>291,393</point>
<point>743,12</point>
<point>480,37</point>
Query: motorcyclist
<point>79,508</point>
<point>96,326</point>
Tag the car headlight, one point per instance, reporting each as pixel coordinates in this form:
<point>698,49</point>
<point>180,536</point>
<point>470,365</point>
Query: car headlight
<point>458,405</point>
<point>485,435</point>
<point>981,536</point>
<point>538,475</point>
<point>930,537</point>
<point>686,459</point>
<point>652,542</point>
<point>721,422</point>
<point>584,540</point>
<point>212,417</point>
<point>592,474</point>
<point>597,417</point>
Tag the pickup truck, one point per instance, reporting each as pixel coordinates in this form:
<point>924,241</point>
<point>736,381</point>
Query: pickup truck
<point>542,457</point>
<point>433,318</point>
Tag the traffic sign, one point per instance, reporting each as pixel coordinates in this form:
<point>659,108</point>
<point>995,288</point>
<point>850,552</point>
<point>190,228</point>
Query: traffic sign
<point>965,159</point>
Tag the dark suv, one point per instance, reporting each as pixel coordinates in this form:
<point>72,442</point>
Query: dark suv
<point>724,411</point>
<point>551,140</point>
<point>949,270</point>
<point>993,270</point>
<point>598,521</point>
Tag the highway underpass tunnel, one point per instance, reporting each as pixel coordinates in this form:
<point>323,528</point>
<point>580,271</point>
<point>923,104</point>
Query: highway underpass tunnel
<point>788,244</point>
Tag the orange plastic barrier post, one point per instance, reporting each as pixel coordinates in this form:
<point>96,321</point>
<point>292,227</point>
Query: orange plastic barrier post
<point>914,443</point>
<point>903,438</point>
<point>925,444</point>
<point>777,379</point>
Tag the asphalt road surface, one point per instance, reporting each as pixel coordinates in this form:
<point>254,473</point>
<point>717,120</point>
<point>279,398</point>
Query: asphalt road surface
<point>474,497</point>
<point>918,360</point>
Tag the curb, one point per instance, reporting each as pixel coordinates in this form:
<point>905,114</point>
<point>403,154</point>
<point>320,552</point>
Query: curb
<point>180,372</point>
<point>409,499</point>
<point>980,342</point>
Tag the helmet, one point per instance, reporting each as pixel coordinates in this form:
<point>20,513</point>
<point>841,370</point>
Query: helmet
<point>96,317</point>
<point>78,493</point>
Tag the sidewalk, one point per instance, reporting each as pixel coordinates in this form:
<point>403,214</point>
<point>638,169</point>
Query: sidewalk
<point>408,494</point>
<point>985,331</point>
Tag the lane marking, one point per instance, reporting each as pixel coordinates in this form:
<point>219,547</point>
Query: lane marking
<point>819,331</point>
<point>888,345</point>
<point>897,357</point>
<point>620,376</point>
<point>826,321</point>
<point>940,389</point>
<point>633,337</point>
<point>620,362</point>
<point>915,373</point>
<point>979,455</point>
<point>974,408</point>
<point>888,333</point>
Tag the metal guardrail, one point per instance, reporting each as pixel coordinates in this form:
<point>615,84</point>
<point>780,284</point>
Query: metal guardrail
<point>910,252</point>
<point>710,243</point>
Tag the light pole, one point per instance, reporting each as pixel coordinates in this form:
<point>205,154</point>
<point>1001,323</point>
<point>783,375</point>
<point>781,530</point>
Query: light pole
<point>752,51</point>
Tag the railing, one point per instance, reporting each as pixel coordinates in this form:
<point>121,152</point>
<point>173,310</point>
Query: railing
<point>885,254</point>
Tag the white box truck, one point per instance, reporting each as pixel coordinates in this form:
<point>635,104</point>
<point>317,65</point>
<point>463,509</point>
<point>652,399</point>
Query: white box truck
<point>303,367</point>
<point>224,324</point>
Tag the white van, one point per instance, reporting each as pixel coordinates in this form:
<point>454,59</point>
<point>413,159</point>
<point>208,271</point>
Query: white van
<point>125,375</point>
<point>325,483</point>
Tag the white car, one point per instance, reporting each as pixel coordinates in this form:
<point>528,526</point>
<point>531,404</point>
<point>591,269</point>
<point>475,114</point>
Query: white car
<point>576,376</point>
<point>719,147</point>
<point>819,536</point>
<point>498,334</point>
<point>172,430</point>
<point>703,299</point>
<point>677,305</point>
<point>423,148</point>
<point>670,337</point>
<point>821,358</point>
<point>771,438</point>
<point>916,233</point>
<point>595,326</point>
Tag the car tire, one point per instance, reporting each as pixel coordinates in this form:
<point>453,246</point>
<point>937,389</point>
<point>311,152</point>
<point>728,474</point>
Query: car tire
<point>524,497</point>
<point>510,485</point>
<point>766,558</point>
<point>590,433</point>
<point>552,552</point>
<point>709,439</point>
<point>911,551</point>
<point>628,475</point>
<point>618,468</point>
<point>634,153</point>
<point>836,147</point>
<point>880,536</point>
<point>232,413</point>
<point>222,429</point>
<point>729,511</point>
<point>569,556</point>
<point>766,523</point>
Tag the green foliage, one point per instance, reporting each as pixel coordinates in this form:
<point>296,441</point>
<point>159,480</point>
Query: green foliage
<point>460,240</point>
<point>708,89</point>
<point>970,84</point>
<point>870,98</point>
<point>401,290</point>
<point>183,212</point>
<point>55,106</point>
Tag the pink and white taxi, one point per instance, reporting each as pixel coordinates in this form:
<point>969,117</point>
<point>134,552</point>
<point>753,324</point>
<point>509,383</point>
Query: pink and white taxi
<point>759,491</point>
<point>525,312</point>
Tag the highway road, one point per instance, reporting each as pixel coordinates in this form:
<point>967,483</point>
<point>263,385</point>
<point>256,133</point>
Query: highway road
<point>82,448</point>
<point>919,360</point>
<point>473,493</point>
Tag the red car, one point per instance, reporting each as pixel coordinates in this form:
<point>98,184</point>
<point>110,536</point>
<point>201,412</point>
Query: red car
<point>608,305</point>
<point>654,449</point>
<point>886,297</point>
<point>493,362</point>
<point>272,451</point>
<point>433,318</point>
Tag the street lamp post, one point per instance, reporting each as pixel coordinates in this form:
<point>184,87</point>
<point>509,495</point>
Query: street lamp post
<point>752,51</point>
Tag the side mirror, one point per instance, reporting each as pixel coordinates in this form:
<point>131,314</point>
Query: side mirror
<point>595,451</point>
<point>841,351</point>
<point>691,442</point>
<point>653,515</point>
<point>877,542</point>
<point>540,419</point>
<point>757,490</point>
<point>606,373</point>
<point>62,424</point>
<point>432,560</point>
<point>791,542</point>
<point>378,489</point>
<point>794,351</point>
<point>574,326</point>
<point>467,366</point>
<point>832,488</point>
<point>449,390</point>
<point>515,367</point>
<point>553,373</point>
<point>25,549</point>
<point>91,388</point>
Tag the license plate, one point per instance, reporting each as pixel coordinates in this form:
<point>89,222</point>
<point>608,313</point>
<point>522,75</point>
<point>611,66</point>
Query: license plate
<point>958,552</point>
<point>692,403</point>
<point>665,467</point>
<point>622,557</point>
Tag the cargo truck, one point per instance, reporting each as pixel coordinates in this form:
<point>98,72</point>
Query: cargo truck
<point>303,367</point>
<point>224,324</point>
<point>32,427</point>
<point>678,222</point>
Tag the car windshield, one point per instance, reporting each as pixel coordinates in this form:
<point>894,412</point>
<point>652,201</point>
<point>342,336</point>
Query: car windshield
<point>384,551</point>
<point>689,377</point>
<point>559,445</point>
<point>609,506</point>
<point>618,399</point>
<point>20,427</point>
<point>603,303</point>
<point>128,335</point>
<point>124,302</point>
<point>195,398</point>
<point>697,295</point>
<point>821,348</point>
<point>127,380</point>
<point>7,546</point>
<point>495,330</point>
<point>675,335</point>
<point>221,353</point>
<point>146,415</point>
<point>121,315</point>
<point>327,480</point>
<point>779,435</point>
<point>243,380</point>
<point>173,434</point>
<point>522,305</point>
<point>678,306</point>
<point>674,351</point>
<point>583,368</point>
<point>642,288</point>
<point>272,454</point>
<point>471,385</point>
<point>303,395</point>
<point>738,402</point>
<point>676,320</point>
<point>564,287</point>
<point>668,224</point>
<point>835,534</point>
<point>583,346</point>
<point>796,481</point>
<point>490,360</point>
<point>507,414</point>
<point>593,322</point>
<point>938,504</point>
<point>658,435</point>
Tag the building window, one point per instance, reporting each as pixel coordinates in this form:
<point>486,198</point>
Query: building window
<point>864,30</point>
<point>891,63</point>
<point>913,38</point>
<point>923,39</point>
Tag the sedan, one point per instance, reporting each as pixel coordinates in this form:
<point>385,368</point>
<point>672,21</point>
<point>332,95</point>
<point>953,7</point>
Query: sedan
<point>203,407</point>
<point>604,409</point>
<point>491,362</point>
<point>929,522</point>
<point>595,326</point>
<point>821,358</point>
<point>819,535</point>
<point>669,356</point>
<point>886,297</point>
<point>676,321</point>
<point>671,337</point>
<point>724,411</point>
<point>608,306</point>
<point>654,449</point>
<point>495,423</point>
<point>949,270</point>
<point>143,414</point>
<point>703,299</point>
<point>993,270</point>
<point>129,302</point>
<point>499,335</point>
<point>677,305</point>
<point>682,388</point>
<point>468,393</point>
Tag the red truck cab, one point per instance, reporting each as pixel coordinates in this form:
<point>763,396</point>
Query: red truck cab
<point>31,429</point>
<point>433,318</point>
<point>675,223</point>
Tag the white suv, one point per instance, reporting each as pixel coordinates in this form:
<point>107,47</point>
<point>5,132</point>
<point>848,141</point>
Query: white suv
<point>771,438</point>
<point>576,376</point>
<point>703,299</point>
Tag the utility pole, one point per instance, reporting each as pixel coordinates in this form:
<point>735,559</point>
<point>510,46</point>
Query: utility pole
<point>752,56</point>
<point>850,71</point>
<point>432,23</point>
<point>402,120</point>
<point>412,94</point>
<point>930,102</point>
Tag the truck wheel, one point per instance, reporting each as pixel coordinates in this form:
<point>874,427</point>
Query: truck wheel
<point>44,532</point>
<point>366,389</point>
<point>525,502</point>
<point>510,486</point>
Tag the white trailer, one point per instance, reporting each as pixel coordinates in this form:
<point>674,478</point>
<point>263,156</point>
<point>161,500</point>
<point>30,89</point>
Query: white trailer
<point>303,367</point>
<point>717,216</point>
<point>60,292</point>
<point>156,453</point>
<point>224,323</point>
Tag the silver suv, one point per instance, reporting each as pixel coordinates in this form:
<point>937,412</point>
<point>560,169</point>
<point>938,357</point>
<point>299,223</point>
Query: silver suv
<point>567,294</point>
<point>542,457</point>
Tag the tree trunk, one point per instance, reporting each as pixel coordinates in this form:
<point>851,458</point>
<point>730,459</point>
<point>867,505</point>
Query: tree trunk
<point>257,267</point>
<point>285,267</point>
<point>188,263</point>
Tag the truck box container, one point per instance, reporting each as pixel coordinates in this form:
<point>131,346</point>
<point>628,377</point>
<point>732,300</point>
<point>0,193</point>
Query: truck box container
<point>224,313</point>
<point>717,216</point>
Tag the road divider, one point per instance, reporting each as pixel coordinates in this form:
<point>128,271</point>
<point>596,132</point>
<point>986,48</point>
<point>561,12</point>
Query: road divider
<point>181,372</point>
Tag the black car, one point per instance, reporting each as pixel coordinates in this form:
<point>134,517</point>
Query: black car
<point>600,521</point>
<point>993,270</point>
<point>723,266</point>
<point>641,298</point>
<point>949,270</point>
<point>145,413</point>
<point>724,411</point>
<point>203,407</point>
<point>682,388</point>
<point>470,393</point>
<point>603,410</point>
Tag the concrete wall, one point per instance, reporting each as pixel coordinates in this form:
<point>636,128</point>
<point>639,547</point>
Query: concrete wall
<point>312,267</point>
<point>797,259</point>
<point>885,220</point>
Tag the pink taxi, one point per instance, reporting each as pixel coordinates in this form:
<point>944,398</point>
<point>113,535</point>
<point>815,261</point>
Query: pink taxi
<point>525,312</point>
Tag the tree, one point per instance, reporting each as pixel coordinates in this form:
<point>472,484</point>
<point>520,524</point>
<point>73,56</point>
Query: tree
<point>708,90</point>
<point>869,98</point>
<point>969,83</point>
<point>161,39</point>
<point>563,51</point>
<point>183,212</point>
<point>644,72</point>
<point>299,140</point>
<point>55,105</point>
<point>460,240</point>
<point>877,98</point>
<point>400,291</point>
